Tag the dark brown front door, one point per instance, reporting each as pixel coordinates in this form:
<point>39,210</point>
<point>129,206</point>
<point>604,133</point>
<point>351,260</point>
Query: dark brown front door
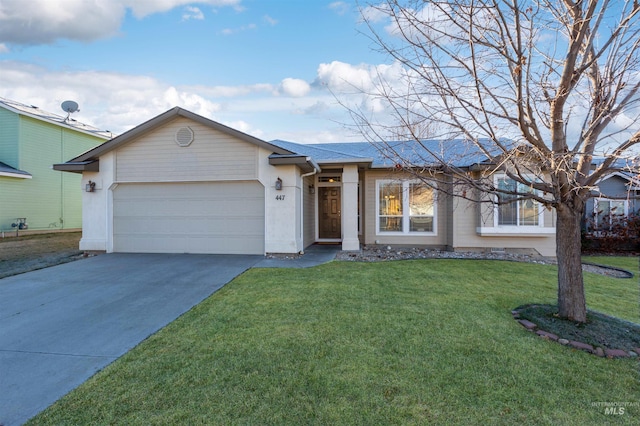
<point>329,213</point>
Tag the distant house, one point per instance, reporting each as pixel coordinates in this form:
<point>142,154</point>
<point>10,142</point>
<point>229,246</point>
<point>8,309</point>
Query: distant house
<point>613,202</point>
<point>181,183</point>
<point>32,194</point>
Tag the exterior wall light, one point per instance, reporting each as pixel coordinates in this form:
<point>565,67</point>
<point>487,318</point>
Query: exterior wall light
<point>278,184</point>
<point>90,186</point>
<point>312,189</point>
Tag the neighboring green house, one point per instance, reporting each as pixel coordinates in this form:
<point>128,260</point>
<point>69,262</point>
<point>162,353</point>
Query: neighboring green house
<point>31,141</point>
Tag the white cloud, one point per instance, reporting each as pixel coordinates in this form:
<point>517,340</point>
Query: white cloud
<point>142,8</point>
<point>110,101</point>
<point>3,48</point>
<point>45,21</point>
<point>292,109</point>
<point>374,14</point>
<point>341,77</point>
<point>231,31</point>
<point>191,12</point>
<point>339,7</point>
<point>295,87</point>
<point>269,20</point>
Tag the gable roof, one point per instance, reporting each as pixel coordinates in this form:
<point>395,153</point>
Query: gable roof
<point>88,161</point>
<point>49,117</point>
<point>426,153</point>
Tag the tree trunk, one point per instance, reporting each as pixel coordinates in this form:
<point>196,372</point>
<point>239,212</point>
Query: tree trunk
<point>571,300</point>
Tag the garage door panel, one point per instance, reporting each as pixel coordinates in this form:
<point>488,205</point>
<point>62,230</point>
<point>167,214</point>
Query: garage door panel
<point>204,217</point>
<point>196,226</point>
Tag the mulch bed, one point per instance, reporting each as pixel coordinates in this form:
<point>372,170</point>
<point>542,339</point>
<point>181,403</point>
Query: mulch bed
<point>601,335</point>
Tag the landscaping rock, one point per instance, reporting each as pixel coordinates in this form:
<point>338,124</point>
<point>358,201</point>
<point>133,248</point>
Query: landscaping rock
<point>547,335</point>
<point>377,253</point>
<point>599,352</point>
<point>582,346</point>
<point>632,354</point>
<point>563,341</point>
<point>616,353</point>
<point>527,324</point>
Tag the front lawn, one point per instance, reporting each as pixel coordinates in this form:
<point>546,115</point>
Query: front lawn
<point>406,342</point>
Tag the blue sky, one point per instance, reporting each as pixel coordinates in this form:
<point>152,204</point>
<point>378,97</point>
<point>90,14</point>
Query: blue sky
<point>269,68</point>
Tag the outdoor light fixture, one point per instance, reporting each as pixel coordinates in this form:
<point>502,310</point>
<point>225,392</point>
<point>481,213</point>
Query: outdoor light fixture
<point>278,184</point>
<point>90,186</point>
<point>312,189</point>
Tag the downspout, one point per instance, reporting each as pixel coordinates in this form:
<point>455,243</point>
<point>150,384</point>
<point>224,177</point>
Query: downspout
<point>311,173</point>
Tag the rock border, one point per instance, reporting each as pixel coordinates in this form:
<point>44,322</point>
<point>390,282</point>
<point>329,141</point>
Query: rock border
<point>598,351</point>
<point>377,253</point>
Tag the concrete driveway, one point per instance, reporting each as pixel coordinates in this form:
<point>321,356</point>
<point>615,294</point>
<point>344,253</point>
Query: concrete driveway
<point>60,325</point>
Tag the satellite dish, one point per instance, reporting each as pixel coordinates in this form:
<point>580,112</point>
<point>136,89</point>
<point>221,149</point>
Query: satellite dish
<point>69,106</point>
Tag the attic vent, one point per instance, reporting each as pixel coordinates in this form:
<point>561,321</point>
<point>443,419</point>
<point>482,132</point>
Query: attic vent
<point>184,136</point>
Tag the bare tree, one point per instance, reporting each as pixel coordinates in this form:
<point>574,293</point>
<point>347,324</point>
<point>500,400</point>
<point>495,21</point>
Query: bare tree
<point>539,88</point>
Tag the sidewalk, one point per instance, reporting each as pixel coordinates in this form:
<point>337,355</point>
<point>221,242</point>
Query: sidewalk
<point>315,254</point>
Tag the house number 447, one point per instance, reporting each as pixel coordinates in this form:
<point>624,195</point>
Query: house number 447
<point>280,197</point>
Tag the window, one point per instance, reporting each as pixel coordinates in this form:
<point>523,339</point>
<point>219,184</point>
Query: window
<point>609,212</point>
<point>405,207</point>
<point>516,213</point>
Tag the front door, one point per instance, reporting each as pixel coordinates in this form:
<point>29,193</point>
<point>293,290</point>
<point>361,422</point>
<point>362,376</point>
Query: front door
<point>330,223</point>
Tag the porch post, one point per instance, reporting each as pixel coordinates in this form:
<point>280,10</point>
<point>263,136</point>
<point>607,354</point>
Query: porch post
<point>350,208</point>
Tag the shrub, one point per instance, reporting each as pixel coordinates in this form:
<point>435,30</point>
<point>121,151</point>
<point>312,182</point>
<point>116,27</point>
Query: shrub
<point>613,233</point>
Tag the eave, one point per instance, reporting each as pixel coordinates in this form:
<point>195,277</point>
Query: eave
<point>8,171</point>
<point>361,162</point>
<point>16,175</point>
<point>78,166</point>
<point>306,164</point>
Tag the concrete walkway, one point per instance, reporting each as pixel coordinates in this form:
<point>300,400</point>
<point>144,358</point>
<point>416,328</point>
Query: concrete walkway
<point>313,255</point>
<point>60,325</point>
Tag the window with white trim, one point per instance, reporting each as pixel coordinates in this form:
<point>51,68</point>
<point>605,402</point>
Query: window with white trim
<point>405,207</point>
<point>527,212</point>
<point>608,212</point>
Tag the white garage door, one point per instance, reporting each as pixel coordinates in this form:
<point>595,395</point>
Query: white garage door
<point>204,217</point>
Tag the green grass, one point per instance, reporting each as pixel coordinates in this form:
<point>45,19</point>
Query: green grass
<point>406,342</point>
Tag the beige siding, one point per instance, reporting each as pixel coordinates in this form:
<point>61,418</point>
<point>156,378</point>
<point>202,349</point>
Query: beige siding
<point>370,225</point>
<point>457,225</point>
<point>213,155</point>
<point>468,215</point>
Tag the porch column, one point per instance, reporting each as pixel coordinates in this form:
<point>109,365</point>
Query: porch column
<point>350,208</point>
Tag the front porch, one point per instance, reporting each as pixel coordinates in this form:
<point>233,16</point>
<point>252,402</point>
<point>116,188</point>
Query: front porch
<point>334,198</point>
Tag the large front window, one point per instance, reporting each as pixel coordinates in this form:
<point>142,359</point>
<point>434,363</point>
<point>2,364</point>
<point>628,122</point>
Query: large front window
<point>405,207</point>
<point>512,212</point>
